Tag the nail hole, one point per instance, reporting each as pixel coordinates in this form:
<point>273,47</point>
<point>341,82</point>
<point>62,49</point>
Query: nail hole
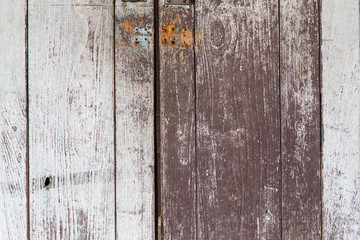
<point>47,183</point>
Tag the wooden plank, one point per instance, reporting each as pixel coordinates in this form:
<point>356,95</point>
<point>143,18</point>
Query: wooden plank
<point>300,119</point>
<point>12,120</point>
<point>177,122</point>
<point>238,120</point>
<point>340,104</point>
<point>134,56</point>
<point>71,125</point>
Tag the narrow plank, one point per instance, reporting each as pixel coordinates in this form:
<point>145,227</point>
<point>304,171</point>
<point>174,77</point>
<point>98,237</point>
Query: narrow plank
<point>300,119</point>
<point>71,125</point>
<point>12,120</point>
<point>238,120</point>
<point>341,126</point>
<point>134,57</point>
<point>177,122</point>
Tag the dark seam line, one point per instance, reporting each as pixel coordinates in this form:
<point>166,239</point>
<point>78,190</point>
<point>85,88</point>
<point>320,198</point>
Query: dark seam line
<point>157,186</point>
<point>27,121</point>
<point>114,112</point>
<point>280,119</point>
<point>196,124</point>
<point>321,121</point>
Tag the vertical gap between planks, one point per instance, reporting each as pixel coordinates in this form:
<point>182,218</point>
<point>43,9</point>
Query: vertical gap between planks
<point>195,124</point>
<point>321,121</point>
<point>157,181</point>
<point>114,111</point>
<point>280,121</point>
<point>27,119</point>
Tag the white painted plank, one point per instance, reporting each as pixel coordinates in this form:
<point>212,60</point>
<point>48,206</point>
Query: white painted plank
<point>134,120</point>
<point>12,120</point>
<point>341,102</point>
<point>71,138</point>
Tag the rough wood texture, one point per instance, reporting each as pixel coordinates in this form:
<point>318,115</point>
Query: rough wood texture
<point>71,145</point>
<point>238,120</point>
<point>300,119</point>
<point>12,120</point>
<point>177,123</point>
<point>134,120</point>
<point>341,99</point>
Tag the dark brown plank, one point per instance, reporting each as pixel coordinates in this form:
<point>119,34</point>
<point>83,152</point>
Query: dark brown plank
<point>238,119</point>
<point>177,123</point>
<point>300,119</point>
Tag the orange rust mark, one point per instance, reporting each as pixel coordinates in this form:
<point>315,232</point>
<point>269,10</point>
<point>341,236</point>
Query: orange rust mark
<point>129,25</point>
<point>168,34</point>
<point>186,38</point>
<point>136,43</point>
<point>120,42</point>
<point>198,37</point>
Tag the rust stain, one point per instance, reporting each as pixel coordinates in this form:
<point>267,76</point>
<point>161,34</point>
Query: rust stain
<point>136,43</point>
<point>186,38</point>
<point>171,36</point>
<point>168,34</point>
<point>129,25</point>
<point>120,42</point>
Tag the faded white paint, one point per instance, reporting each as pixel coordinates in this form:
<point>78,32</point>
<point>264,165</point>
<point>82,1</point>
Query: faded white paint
<point>134,121</point>
<point>12,120</point>
<point>71,124</point>
<point>341,102</point>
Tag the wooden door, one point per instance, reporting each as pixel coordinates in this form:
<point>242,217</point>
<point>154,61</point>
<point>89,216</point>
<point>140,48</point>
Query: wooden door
<point>179,119</point>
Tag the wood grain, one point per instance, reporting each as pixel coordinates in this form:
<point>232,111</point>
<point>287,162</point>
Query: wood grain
<point>134,57</point>
<point>12,120</point>
<point>340,104</point>
<point>300,119</point>
<point>71,125</point>
<point>177,123</point>
<point>238,120</point>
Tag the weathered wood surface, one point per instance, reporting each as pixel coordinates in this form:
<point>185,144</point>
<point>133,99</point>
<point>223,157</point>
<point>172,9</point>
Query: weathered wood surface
<point>300,119</point>
<point>238,120</point>
<point>177,123</point>
<point>134,60</point>
<point>71,125</point>
<point>340,104</point>
<point>12,120</point>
